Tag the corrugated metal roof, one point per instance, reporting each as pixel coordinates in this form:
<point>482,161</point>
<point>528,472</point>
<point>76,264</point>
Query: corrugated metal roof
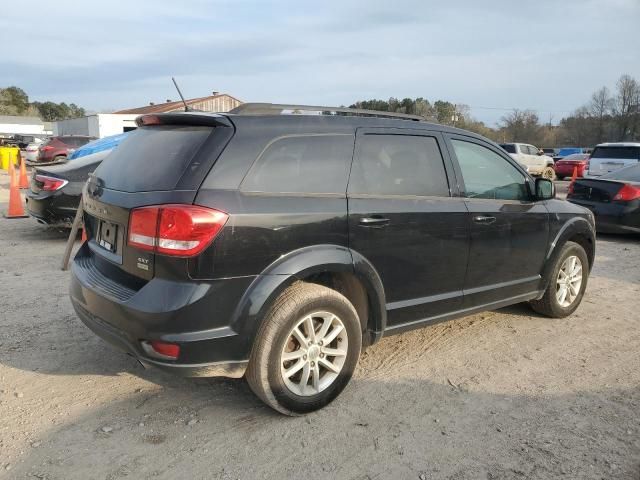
<point>17,120</point>
<point>179,106</point>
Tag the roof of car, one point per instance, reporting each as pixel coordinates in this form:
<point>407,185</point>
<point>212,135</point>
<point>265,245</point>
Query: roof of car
<point>619,144</point>
<point>302,120</point>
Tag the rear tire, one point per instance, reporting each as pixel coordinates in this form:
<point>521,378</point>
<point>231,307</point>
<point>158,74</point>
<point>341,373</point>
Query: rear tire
<point>321,369</point>
<point>553,304</point>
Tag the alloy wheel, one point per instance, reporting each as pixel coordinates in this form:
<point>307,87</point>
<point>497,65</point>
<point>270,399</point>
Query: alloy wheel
<point>569,281</point>
<point>314,353</point>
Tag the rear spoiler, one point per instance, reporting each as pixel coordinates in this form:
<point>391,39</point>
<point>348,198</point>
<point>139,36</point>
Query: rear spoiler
<point>184,118</point>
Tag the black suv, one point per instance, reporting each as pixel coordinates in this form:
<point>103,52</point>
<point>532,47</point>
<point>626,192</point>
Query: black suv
<point>276,246</point>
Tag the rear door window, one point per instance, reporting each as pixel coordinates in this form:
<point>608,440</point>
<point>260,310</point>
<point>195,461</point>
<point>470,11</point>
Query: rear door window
<point>302,164</point>
<point>152,158</point>
<point>398,165</point>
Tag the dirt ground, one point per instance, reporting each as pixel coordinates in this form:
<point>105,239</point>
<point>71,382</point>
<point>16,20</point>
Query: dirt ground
<point>500,395</point>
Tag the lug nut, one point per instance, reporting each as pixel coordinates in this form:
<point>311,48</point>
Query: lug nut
<point>313,364</point>
<point>304,357</point>
<point>320,343</point>
<point>322,355</point>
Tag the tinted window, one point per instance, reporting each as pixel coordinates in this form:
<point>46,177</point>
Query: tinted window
<point>152,158</point>
<point>302,164</point>
<point>630,153</point>
<point>398,165</point>
<point>508,147</point>
<point>487,175</point>
<point>631,174</point>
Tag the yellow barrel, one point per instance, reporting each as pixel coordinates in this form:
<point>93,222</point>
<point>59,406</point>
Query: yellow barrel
<point>8,154</point>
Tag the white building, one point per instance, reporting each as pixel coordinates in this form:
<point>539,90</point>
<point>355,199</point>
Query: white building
<point>14,125</point>
<point>99,125</point>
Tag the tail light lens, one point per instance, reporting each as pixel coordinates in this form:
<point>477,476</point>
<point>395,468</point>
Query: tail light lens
<point>162,350</point>
<point>50,184</point>
<point>175,230</point>
<point>46,148</point>
<point>627,193</point>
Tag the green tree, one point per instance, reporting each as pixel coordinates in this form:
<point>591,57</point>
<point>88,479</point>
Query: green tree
<point>13,101</point>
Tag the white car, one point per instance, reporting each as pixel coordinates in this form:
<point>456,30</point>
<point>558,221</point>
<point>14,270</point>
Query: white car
<point>31,152</point>
<point>533,158</point>
<point>607,157</point>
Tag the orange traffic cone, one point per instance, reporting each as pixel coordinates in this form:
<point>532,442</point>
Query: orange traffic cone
<point>16,209</point>
<point>574,175</point>
<point>24,180</point>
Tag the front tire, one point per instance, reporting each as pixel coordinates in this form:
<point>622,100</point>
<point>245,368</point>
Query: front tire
<point>306,349</point>
<point>567,283</point>
<point>548,173</point>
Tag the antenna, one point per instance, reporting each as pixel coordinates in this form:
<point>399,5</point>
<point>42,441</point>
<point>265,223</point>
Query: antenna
<point>186,107</point>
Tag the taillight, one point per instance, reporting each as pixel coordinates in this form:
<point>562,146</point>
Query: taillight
<point>176,230</point>
<point>50,184</point>
<point>46,148</point>
<point>627,193</point>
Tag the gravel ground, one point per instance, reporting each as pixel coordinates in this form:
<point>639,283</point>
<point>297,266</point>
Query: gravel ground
<point>504,394</point>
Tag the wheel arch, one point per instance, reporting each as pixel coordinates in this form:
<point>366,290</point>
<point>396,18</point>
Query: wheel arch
<point>333,266</point>
<point>577,230</point>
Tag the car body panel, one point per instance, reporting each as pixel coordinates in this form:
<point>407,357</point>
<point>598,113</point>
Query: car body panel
<point>431,264</point>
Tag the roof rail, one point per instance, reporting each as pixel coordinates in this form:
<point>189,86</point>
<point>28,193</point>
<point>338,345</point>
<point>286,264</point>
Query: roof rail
<point>284,109</point>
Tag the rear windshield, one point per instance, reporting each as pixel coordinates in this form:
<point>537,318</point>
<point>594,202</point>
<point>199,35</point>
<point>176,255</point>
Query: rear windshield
<point>630,174</point>
<point>629,153</point>
<point>510,148</point>
<point>152,158</point>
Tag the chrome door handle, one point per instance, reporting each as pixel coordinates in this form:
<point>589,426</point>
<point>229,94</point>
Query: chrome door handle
<point>484,219</point>
<point>373,222</point>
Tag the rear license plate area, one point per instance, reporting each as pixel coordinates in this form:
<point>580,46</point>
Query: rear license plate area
<point>107,235</point>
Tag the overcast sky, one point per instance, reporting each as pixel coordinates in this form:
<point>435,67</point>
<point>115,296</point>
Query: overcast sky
<point>545,55</point>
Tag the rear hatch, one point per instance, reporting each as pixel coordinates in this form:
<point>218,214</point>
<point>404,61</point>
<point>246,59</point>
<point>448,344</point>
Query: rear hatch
<point>162,162</point>
<point>606,159</point>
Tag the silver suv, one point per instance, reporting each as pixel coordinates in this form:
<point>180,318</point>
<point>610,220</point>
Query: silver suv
<point>608,157</point>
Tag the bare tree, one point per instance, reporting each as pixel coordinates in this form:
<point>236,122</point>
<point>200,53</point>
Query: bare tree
<point>600,108</point>
<point>626,106</point>
<point>521,126</point>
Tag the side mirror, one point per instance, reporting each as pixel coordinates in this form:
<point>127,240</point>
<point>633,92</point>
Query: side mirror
<point>545,189</point>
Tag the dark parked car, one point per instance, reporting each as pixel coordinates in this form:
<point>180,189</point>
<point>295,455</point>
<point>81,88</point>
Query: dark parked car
<point>56,149</point>
<point>55,190</point>
<point>277,246</point>
<point>614,198</point>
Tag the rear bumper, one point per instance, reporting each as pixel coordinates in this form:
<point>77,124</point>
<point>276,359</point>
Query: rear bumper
<point>55,209</point>
<point>192,314</point>
<point>567,170</point>
<point>613,218</point>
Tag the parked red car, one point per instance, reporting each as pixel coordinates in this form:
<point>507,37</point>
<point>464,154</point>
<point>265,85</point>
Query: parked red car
<point>56,149</point>
<point>564,167</point>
